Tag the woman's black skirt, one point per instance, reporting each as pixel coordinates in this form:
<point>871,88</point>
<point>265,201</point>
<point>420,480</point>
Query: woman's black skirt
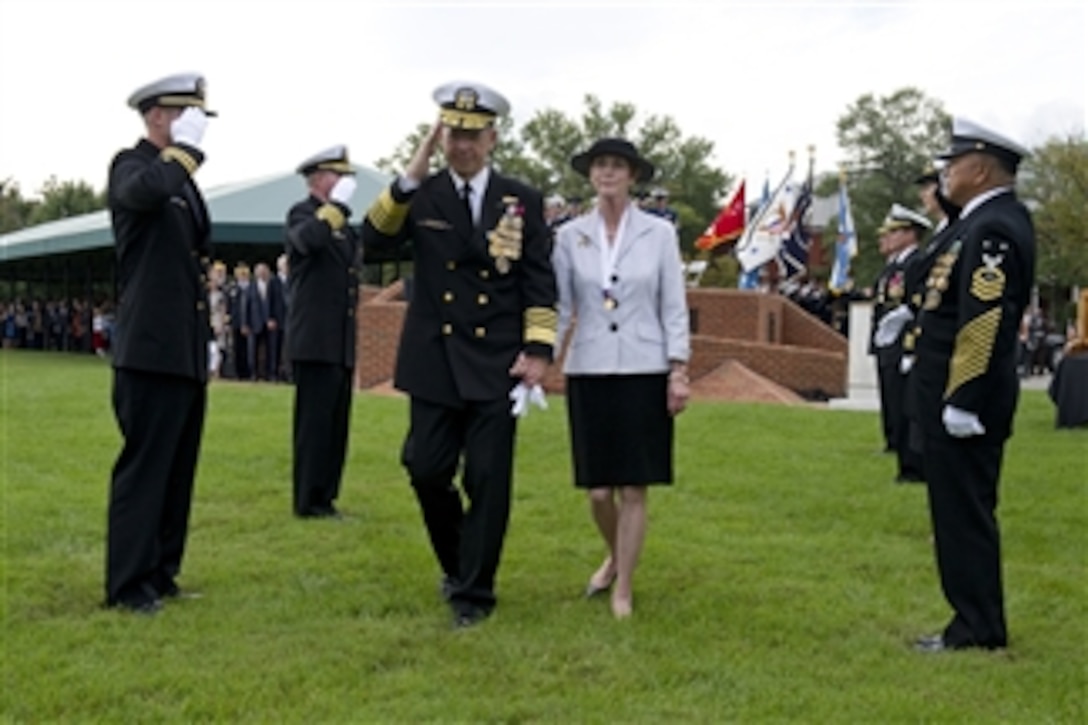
<point>620,429</point>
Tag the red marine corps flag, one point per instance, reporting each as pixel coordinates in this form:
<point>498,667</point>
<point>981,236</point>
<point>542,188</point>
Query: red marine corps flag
<point>727,226</point>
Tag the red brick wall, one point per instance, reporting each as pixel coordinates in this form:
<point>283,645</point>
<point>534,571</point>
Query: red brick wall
<point>768,334</point>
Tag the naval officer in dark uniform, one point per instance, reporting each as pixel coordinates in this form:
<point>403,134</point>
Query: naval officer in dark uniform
<point>901,233</point>
<point>481,317</point>
<point>325,257</point>
<point>161,234</point>
<point>965,375</point>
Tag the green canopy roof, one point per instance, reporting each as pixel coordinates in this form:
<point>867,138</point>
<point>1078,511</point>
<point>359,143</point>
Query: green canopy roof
<point>246,212</point>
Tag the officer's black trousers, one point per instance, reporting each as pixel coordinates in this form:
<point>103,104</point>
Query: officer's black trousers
<point>321,421</point>
<point>891,402</point>
<point>161,418</point>
<point>962,475</point>
<point>467,542</point>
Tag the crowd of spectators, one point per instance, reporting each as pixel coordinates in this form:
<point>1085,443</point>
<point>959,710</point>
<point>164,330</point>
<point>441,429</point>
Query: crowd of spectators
<point>76,325</point>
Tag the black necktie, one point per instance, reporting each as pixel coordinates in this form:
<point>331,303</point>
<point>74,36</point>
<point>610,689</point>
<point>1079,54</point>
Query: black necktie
<point>466,197</point>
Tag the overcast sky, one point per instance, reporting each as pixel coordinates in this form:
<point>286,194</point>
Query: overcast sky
<point>290,77</point>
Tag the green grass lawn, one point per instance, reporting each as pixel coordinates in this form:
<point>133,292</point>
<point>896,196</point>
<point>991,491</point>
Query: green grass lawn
<point>783,578</point>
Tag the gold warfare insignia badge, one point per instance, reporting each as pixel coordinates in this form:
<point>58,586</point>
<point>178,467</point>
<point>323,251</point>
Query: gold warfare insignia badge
<point>988,281</point>
<point>504,241</point>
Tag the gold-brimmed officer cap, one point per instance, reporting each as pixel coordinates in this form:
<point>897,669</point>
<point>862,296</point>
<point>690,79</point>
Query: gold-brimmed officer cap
<point>334,158</point>
<point>900,217</point>
<point>968,137</point>
<point>469,105</point>
<point>176,91</point>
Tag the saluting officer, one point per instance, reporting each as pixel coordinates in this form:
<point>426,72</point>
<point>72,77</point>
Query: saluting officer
<point>325,257</point>
<point>162,239</point>
<point>900,233</point>
<point>965,375</point>
<point>481,315</point>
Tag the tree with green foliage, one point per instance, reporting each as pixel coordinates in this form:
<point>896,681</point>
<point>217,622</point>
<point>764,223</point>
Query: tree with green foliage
<point>1054,184</point>
<point>14,209</point>
<point>888,141</point>
<point>62,199</point>
<point>540,152</point>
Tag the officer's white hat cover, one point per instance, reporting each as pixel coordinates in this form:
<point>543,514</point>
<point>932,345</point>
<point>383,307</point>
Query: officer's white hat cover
<point>177,91</point>
<point>469,105</point>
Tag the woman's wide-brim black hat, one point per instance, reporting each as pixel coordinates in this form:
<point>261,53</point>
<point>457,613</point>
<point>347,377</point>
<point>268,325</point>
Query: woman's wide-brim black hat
<point>644,170</point>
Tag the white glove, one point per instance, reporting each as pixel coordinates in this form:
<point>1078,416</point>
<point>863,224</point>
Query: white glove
<point>906,363</point>
<point>522,396</point>
<point>343,189</point>
<point>887,330</point>
<point>188,128</point>
<point>960,423</point>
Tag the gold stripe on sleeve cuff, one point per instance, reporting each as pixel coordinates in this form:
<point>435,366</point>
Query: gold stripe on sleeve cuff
<point>387,215</point>
<point>541,324</point>
<point>174,153</point>
<point>971,354</point>
<point>331,214</point>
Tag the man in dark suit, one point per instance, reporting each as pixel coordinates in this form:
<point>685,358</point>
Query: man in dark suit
<point>900,233</point>
<point>481,316</point>
<point>237,296</point>
<point>966,379</point>
<point>161,231</point>
<point>325,258</point>
<point>263,316</point>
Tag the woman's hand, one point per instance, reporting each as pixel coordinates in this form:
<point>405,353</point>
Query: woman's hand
<point>679,392</point>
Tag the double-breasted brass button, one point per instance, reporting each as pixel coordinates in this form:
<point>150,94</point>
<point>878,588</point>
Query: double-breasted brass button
<point>200,305</point>
<point>447,296</point>
<point>485,274</point>
<point>451,265</point>
<point>481,299</point>
<point>447,329</point>
<point>480,332</point>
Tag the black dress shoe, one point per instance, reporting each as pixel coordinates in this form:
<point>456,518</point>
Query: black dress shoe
<point>321,512</point>
<point>140,603</point>
<point>465,617</point>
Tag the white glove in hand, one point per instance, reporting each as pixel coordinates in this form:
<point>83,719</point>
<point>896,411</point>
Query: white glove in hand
<point>960,423</point>
<point>343,189</point>
<point>522,395</point>
<point>188,128</point>
<point>906,363</point>
<point>887,330</point>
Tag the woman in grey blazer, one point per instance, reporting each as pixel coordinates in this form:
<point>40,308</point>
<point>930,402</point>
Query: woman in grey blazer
<point>619,276</point>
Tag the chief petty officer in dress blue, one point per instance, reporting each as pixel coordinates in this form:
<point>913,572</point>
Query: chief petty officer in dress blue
<point>325,256</point>
<point>162,238</point>
<point>966,378</point>
<point>481,317</point>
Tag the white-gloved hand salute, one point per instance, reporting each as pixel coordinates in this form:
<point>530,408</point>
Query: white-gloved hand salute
<point>189,127</point>
<point>342,191</point>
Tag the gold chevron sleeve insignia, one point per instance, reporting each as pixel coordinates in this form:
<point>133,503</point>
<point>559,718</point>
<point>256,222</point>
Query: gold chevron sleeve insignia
<point>330,213</point>
<point>180,155</point>
<point>541,324</point>
<point>971,354</point>
<point>387,215</point>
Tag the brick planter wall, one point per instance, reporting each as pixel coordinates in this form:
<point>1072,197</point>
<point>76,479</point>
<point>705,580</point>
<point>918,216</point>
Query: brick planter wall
<point>766,333</point>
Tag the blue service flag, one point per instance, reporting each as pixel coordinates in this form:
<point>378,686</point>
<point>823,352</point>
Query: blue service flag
<point>793,254</point>
<point>846,248</point>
